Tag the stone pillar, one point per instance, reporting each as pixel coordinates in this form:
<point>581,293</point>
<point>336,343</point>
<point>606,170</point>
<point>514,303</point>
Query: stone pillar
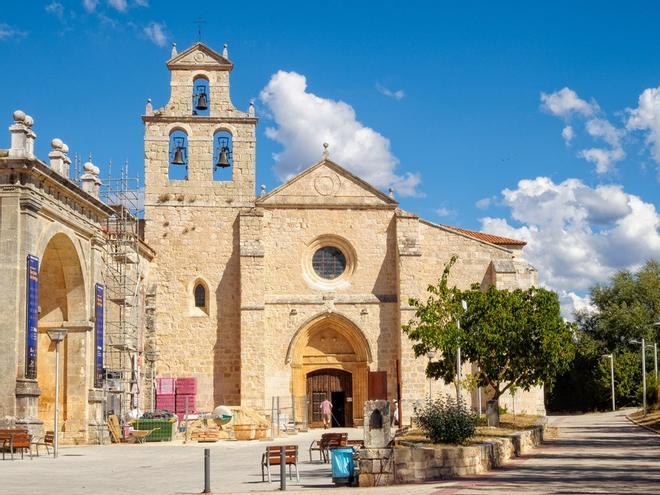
<point>97,430</point>
<point>19,134</point>
<point>89,180</point>
<point>27,397</point>
<point>56,156</point>
<point>252,309</point>
<point>410,252</point>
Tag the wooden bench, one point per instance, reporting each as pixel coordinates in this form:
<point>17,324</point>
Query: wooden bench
<point>327,441</point>
<point>47,442</point>
<point>15,439</point>
<point>272,458</point>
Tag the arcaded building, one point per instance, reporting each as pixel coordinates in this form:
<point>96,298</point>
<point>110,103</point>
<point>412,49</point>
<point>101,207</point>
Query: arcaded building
<point>299,292</point>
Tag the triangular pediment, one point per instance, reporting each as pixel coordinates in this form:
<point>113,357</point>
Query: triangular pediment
<point>326,185</point>
<point>199,56</point>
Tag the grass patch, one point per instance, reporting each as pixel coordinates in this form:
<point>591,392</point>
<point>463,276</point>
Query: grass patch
<point>651,420</point>
<point>508,426</point>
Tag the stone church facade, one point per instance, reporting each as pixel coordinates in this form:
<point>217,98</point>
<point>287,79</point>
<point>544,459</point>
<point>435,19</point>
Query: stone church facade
<point>304,288</point>
<point>297,293</point>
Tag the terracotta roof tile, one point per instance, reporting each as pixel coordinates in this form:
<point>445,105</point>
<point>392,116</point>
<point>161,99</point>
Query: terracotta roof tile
<point>493,239</point>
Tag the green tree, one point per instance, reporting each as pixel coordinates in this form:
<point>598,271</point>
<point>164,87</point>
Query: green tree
<point>517,338</point>
<point>625,310</point>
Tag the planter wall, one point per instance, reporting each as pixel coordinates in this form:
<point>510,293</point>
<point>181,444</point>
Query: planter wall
<point>401,464</point>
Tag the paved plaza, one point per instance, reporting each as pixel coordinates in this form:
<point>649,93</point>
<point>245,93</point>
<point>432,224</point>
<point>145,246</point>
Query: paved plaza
<point>594,453</point>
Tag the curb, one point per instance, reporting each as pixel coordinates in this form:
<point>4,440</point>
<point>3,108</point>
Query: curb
<point>641,425</point>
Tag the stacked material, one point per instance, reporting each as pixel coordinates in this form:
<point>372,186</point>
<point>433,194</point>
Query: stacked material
<point>248,424</point>
<point>186,393</point>
<point>165,397</point>
<point>206,430</point>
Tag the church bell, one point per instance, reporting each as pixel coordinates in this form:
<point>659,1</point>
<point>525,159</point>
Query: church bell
<point>179,152</point>
<point>223,158</point>
<point>178,156</point>
<point>224,153</point>
<point>202,102</point>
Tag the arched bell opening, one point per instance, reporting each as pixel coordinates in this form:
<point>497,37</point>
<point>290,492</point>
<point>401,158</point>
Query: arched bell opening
<point>223,156</point>
<point>201,97</point>
<point>330,357</point>
<point>62,303</point>
<point>178,155</point>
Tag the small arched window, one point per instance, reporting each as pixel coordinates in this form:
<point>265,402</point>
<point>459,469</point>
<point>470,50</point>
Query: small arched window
<point>222,155</point>
<point>178,155</point>
<point>201,97</point>
<point>200,296</point>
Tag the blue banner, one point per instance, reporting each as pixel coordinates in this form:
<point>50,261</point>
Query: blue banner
<point>32,319</point>
<point>98,331</point>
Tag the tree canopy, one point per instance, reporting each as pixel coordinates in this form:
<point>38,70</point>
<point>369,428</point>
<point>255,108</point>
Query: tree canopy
<point>516,337</point>
<point>625,310</point>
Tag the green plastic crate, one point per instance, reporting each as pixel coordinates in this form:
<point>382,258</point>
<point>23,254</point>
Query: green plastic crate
<point>162,434</point>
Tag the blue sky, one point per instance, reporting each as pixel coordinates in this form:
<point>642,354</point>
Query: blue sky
<point>456,88</point>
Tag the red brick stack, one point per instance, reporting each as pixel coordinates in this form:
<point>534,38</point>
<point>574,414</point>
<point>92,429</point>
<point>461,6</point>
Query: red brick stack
<point>165,396</point>
<point>186,390</point>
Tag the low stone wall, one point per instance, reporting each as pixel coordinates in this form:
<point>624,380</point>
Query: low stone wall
<point>413,464</point>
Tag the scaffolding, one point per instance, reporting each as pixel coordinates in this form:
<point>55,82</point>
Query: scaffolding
<point>122,274</point>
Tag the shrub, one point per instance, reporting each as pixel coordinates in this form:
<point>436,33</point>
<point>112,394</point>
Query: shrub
<point>443,420</point>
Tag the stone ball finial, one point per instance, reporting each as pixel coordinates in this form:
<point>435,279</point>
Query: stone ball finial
<point>57,144</point>
<point>96,170</point>
<point>89,167</point>
<point>19,115</point>
<point>65,148</point>
<point>29,121</point>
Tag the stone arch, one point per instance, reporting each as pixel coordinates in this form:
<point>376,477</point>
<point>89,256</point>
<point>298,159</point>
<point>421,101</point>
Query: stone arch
<point>62,303</point>
<point>343,323</point>
<point>330,342</point>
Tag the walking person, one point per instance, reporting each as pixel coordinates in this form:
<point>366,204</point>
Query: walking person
<point>326,412</point>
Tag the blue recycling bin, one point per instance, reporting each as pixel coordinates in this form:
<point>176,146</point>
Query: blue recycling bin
<point>343,465</point>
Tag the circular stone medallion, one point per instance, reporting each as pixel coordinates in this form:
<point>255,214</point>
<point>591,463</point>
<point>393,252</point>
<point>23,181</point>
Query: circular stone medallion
<point>326,185</point>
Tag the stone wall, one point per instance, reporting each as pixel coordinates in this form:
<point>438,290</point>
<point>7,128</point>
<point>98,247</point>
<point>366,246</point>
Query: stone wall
<point>413,464</point>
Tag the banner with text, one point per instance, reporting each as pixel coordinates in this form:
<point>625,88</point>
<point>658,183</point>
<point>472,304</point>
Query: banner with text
<point>32,320</point>
<point>98,328</point>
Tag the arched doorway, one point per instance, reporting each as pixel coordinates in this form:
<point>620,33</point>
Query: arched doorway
<point>337,387</point>
<point>61,304</point>
<point>330,357</point>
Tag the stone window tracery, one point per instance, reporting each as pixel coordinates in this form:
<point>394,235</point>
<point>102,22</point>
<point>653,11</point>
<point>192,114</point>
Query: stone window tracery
<point>329,262</point>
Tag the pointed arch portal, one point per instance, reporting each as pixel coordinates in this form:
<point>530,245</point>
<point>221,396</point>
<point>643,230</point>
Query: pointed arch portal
<point>330,356</point>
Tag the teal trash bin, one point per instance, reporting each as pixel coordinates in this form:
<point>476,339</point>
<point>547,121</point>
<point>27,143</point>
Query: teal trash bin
<point>343,466</point>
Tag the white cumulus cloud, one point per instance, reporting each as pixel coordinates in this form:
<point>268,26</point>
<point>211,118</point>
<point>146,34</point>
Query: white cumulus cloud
<point>646,117</point>
<point>303,121</point>
<point>565,102</point>
<point>155,31</point>
<point>578,235</point>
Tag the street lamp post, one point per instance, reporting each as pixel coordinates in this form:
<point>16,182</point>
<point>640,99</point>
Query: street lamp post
<point>643,372</point>
<point>611,358</point>
<point>57,335</point>
<point>655,353</point>
<point>430,355</point>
